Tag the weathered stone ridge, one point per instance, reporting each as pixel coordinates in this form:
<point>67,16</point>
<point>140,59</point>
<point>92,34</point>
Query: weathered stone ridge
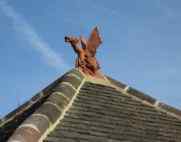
<point>41,111</point>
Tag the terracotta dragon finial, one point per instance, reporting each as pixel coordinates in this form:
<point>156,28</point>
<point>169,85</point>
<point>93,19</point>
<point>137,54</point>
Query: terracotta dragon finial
<point>86,51</point>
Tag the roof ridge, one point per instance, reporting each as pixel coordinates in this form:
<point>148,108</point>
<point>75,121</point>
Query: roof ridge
<point>50,129</point>
<point>28,104</point>
<point>145,98</point>
<point>59,96</point>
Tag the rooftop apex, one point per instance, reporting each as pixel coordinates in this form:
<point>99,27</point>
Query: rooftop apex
<point>81,107</point>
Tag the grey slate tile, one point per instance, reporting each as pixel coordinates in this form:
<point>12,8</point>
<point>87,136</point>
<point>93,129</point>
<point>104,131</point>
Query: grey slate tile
<point>102,114</point>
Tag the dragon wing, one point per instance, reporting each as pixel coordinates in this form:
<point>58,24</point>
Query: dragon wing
<point>94,41</point>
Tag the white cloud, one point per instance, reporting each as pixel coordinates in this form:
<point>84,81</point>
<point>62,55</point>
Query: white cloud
<point>21,26</point>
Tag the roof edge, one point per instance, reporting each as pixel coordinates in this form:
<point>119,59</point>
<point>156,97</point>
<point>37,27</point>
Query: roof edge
<point>36,116</point>
<point>145,98</point>
<point>66,107</point>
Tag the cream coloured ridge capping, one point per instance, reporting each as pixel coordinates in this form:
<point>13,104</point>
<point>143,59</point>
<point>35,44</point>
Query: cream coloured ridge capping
<point>51,128</point>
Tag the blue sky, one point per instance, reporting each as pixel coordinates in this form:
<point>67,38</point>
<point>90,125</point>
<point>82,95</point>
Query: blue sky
<point>141,45</point>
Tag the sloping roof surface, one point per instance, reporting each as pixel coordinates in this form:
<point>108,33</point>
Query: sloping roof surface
<point>76,108</point>
<point>102,114</point>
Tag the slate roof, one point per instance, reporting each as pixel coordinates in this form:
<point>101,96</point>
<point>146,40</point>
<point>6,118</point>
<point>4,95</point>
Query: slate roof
<point>76,108</point>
